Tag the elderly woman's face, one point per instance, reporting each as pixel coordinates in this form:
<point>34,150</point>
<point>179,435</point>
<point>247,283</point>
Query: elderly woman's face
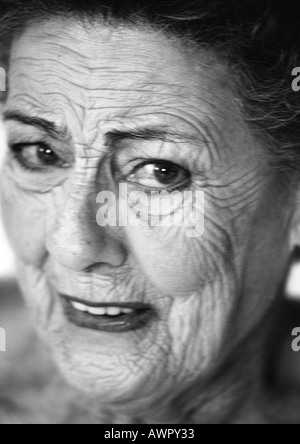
<point>88,110</point>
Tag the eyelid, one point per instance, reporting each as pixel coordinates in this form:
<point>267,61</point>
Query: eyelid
<point>24,135</point>
<point>175,187</point>
<point>28,144</point>
<point>153,162</point>
<point>142,161</point>
<point>62,152</point>
<point>17,148</point>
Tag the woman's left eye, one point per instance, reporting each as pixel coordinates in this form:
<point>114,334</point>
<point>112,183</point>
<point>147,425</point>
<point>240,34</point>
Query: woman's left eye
<point>37,156</point>
<point>160,176</point>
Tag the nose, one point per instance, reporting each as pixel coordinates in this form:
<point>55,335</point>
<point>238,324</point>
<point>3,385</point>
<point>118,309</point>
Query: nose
<point>76,241</point>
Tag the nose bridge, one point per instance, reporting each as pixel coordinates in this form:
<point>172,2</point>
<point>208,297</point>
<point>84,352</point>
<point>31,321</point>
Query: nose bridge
<point>73,228</point>
<point>76,216</point>
<point>76,240</point>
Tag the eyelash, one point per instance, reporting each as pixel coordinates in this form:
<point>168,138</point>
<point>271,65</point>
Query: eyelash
<point>16,150</point>
<point>181,187</point>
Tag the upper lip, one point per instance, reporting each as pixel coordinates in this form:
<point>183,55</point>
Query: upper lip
<point>132,305</point>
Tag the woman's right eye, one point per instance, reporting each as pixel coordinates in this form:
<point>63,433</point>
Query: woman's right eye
<point>37,156</point>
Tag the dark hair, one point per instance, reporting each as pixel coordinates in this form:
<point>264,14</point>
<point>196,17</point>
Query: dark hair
<point>259,39</point>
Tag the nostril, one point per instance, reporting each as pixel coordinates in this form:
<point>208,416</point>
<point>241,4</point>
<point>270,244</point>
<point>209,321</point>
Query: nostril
<point>105,269</point>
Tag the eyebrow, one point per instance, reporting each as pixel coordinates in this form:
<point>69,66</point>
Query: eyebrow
<point>49,127</point>
<point>153,132</point>
<point>113,137</point>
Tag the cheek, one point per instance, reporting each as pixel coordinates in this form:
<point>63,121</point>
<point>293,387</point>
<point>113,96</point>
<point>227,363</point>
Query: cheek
<point>178,264</point>
<point>24,220</point>
<point>173,263</point>
<point>167,246</point>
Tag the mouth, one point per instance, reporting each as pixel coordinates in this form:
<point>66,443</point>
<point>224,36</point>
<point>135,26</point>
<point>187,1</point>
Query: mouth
<point>110,318</point>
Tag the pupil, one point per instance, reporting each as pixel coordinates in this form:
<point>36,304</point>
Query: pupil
<point>165,174</point>
<point>46,155</point>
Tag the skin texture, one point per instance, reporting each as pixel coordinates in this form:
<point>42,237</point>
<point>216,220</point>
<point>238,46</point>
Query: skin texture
<point>209,292</point>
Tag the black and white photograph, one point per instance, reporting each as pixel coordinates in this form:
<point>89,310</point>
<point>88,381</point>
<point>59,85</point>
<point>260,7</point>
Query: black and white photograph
<point>149,215</point>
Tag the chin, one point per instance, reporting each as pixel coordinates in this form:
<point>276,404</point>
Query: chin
<point>118,369</point>
<point>134,369</point>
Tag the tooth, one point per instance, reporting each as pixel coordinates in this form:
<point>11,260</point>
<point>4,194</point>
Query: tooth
<point>113,311</point>
<point>102,311</point>
<point>97,311</point>
<point>79,307</point>
<point>127,310</point>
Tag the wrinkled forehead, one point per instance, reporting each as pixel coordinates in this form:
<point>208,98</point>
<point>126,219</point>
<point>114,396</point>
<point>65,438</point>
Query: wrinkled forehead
<point>77,71</point>
<point>65,53</point>
<point>69,43</point>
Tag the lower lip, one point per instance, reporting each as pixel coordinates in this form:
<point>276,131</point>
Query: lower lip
<point>138,319</point>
